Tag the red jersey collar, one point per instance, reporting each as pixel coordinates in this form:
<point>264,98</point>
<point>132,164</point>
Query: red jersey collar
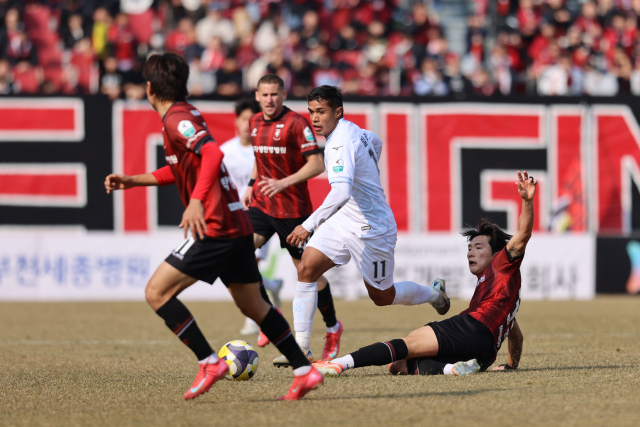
<point>172,105</point>
<point>285,110</point>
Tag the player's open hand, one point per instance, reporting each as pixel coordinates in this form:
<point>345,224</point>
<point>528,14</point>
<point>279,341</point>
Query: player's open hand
<point>246,198</point>
<point>193,219</point>
<point>270,187</point>
<point>526,185</point>
<point>298,236</point>
<point>117,181</point>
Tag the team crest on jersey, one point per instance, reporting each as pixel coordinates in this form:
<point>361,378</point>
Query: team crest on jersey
<point>186,128</point>
<point>308,134</point>
<point>338,165</point>
<point>276,137</point>
<point>254,132</point>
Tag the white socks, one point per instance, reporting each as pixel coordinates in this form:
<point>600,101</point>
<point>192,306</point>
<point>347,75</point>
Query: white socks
<point>410,293</point>
<point>448,369</point>
<point>345,361</point>
<point>334,328</point>
<point>211,359</point>
<point>302,370</point>
<point>304,307</point>
<point>270,285</point>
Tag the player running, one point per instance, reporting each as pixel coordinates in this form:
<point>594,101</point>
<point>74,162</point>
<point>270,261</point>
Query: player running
<point>475,334</point>
<point>220,244</point>
<point>239,160</point>
<point>356,219</point>
<point>287,156</point>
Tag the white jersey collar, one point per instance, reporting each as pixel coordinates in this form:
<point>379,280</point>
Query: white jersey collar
<point>328,137</point>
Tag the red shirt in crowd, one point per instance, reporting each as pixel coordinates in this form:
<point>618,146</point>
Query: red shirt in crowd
<point>196,167</point>
<point>496,299</point>
<point>280,147</point>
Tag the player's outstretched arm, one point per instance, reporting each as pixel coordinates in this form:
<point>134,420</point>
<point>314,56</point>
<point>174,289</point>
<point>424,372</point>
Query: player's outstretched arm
<point>120,181</point>
<point>314,167</point>
<point>515,341</point>
<point>527,189</point>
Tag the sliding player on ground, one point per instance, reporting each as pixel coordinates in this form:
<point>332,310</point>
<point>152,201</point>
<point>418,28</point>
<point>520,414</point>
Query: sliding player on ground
<point>476,334</point>
<point>287,156</point>
<point>239,160</point>
<point>220,242</point>
<point>355,220</point>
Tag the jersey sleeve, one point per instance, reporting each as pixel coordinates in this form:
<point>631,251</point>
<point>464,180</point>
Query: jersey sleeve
<point>503,262</point>
<point>164,176</point>
<point>188,130</point>
<point>303,135</point>
<point>341,163</point>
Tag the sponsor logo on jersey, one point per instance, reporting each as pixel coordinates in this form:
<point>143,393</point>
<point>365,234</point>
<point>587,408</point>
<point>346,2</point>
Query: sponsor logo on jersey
<point>276,137</point>
<point>263,149</point>
<point>480,281</point>
<point>194,137</point>
<point>365,227</point>
<point>186,128</point>
<point>172,160</point>
<point>308,134</point>
<point>254,132</point>
<point>235,206</point>
<point>336,148</point>
<point>338,165</point>
<point>364,141</point>
<point>308,144</point>
<point>227,183</point>
<point>195,113</point>
<point>279,125</point>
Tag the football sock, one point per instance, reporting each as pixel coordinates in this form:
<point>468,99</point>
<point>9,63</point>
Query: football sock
<point>448,369</point>
<point>276,328</point>
<point>263,292</point>
<point>325,305</point>
<point>178,318</point>
<point>410,293</point>
<point>304,307</point>
<point>426,366</point>
<point>271,285</point>
<point>380,353</point>
<point>211,359</point>
<point>302,370</point>
<point>335,328</point>
<point>345,361</point>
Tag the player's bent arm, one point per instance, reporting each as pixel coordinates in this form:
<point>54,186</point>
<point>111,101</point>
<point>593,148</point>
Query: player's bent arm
<point>515,342</point>
<point>246,197</point>
<point>339,195</point>
<point>313,168</point>
<point>526,189</point>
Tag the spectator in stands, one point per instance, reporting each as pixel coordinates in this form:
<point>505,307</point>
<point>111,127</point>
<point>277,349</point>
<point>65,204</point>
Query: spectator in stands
<point>598,81</point>
<point>6,79</point>
<point>73,32</point>
<point>14,42</point>
<point>111,80</point>
<point>301,74</point>
<point>200,82</point>
<point>215,25</point>
<point>229,78</point>
<point>122,41</point>
<point>457,83</point>
<point>100,32</point>
<point>429,81</point>
<point>271,32</point>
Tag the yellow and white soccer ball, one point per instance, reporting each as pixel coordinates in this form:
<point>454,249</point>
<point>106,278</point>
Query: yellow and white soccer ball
<point>241,358</point>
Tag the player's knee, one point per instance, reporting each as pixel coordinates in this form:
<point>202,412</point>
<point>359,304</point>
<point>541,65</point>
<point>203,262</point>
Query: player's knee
<point>305,273</point>
<point>153,296</point>
<point>381,298</point>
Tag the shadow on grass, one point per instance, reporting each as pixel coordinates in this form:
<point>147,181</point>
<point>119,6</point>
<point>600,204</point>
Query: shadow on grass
<point>573,368</point>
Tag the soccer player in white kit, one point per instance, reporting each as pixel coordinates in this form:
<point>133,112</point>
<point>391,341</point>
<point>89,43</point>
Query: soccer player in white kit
<point>239,160</point>
<point>355,220</point>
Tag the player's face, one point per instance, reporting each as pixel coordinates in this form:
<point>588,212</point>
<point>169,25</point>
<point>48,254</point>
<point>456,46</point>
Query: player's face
<point>323,119</point>
<point>242,123</point>
<point>479,254</point>
<point>271,97</point>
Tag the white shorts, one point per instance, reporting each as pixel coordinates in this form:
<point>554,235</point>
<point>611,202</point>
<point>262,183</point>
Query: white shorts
<point>373,256</point>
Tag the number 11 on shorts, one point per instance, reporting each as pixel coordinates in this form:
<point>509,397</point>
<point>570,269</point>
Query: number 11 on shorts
<point>383,264</point>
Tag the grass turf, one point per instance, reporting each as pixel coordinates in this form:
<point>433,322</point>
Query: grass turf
<point>116,364</point>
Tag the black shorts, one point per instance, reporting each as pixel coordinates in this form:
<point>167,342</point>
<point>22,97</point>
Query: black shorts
<point>461,338</point>
<point>232,260</point>
<point>267,226</point>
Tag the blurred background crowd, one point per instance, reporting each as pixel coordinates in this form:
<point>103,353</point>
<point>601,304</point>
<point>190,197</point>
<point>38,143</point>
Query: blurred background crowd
<point>367,47</point>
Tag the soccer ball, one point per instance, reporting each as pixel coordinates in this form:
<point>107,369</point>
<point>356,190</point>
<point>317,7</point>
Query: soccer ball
<point>241,358</point>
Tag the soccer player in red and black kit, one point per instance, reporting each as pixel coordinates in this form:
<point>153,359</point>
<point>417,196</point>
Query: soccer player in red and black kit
<point>287,155</point>
<point>469,342</point>
<point>221,242</point>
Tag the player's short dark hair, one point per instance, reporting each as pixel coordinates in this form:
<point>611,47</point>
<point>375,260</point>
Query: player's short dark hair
<point>271,79</point>
<point>168,74</point>
<point>247,104</point>
<point>497,237</point>
<point>330,94</point>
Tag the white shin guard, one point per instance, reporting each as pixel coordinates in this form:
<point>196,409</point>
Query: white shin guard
<point>410,293</point>
<point>304,307</point>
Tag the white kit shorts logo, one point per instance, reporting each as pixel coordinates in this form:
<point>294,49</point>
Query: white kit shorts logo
<point>185,127</point>
<point>338,165</point>
<point>308,134</point>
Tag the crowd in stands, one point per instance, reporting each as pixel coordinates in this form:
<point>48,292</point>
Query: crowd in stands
<point>367,47</point>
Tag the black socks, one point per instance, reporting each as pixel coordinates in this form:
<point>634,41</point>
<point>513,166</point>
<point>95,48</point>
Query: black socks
<point>325,305</point>
<point>276,328</point>
<point>380,353</point>
<point>179,319</point>
<point>425,366</point>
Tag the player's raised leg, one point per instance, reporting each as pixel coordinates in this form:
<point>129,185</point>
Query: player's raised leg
<point>276,328</point>
<point>333,326</point>
<point>161,293</point>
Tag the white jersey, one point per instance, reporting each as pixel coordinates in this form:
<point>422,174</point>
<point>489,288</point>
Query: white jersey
<point>239,161</point>
<point>351,156</point>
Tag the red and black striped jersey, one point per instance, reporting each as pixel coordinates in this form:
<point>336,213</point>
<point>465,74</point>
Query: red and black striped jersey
<point>496,299</point>
<point>280,146</point>
<point>185,132</point>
